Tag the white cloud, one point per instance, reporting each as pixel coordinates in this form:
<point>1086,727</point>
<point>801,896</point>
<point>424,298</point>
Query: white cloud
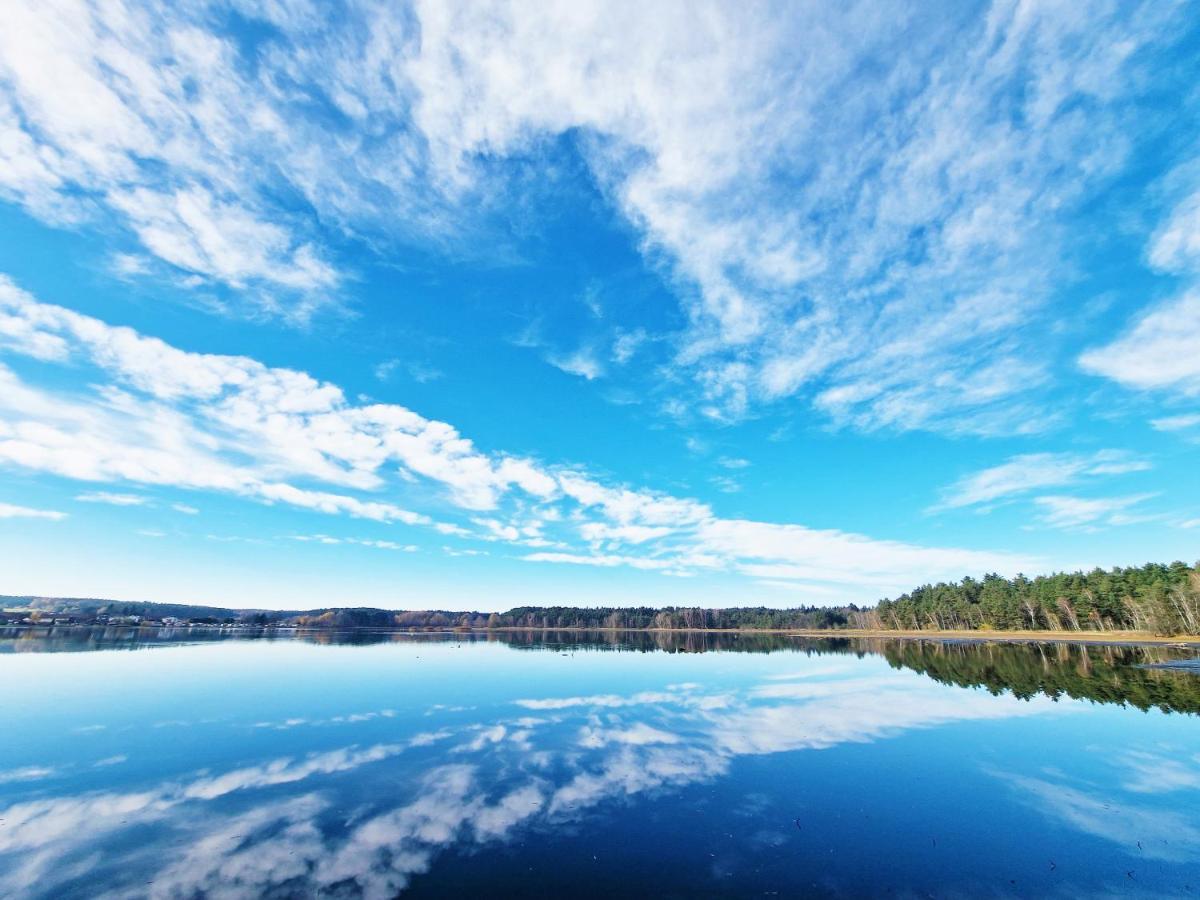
<point>26,773</point>
<point>196,232</point>
<point>1175,246</point>
<point>172,417</point>
<point>1160,352</point>
<point>626,506</point>
<point>387,545</point>
<point>1176,423</point>
<point>385,369</point>
<point>325,502</point>
<point>130,95</point>
<point>150,414</point>
<point>855,566</point>
<point>583,362</point>
<point>943,186</point>
<point>861,565</point>
<point>129,265</point>
<point>185,509</point>
<point>362,542</point>
<point>113,499</point>
<point>11,511</point>
<point>725,484</point>
<point>1075,512</point>
<point>600,532</point>
<point>419,372</point>
<point>884,262</point>
<point>1022,474</point>
<point>668,565</point>
<point>627,344</point>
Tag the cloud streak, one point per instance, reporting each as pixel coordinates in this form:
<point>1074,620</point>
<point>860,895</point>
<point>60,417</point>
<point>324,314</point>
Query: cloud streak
<point>12,511</point>
<point>1022,474</point>
<point>884,264</point>
<point>158,416</point>
<point>1158,352</point>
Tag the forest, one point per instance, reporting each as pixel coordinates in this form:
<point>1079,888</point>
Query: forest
<point>1158,598</point>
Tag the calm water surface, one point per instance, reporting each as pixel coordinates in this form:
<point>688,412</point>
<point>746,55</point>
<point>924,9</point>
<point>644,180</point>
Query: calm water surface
<point>150,764</point>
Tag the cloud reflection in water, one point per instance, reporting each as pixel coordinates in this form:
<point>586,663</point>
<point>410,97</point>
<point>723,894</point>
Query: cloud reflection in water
<point>248,830</point>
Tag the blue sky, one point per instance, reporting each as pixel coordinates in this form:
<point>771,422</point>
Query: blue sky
<point>478,305</point>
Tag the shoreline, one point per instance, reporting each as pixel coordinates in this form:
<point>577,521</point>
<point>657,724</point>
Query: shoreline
<point>1088,637</point>
<point>1053,637</point>
<point>1015,637</point>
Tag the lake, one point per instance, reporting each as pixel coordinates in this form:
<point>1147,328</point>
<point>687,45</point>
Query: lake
<point>163,764</point>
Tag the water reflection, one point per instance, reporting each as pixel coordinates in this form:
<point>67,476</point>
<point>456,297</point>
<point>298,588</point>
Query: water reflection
<point>1156,833</point>
<point>1143,676</point>
<point>582,751</point>
<point>68,639</point>
<point>366,817</point>
<point>1130,675</point>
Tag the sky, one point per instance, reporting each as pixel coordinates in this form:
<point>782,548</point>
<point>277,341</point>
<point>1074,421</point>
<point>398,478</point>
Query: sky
<point>476,305</point>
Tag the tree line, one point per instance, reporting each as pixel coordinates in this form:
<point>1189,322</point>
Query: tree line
<point>1159,598</point>
<point>600,617</point>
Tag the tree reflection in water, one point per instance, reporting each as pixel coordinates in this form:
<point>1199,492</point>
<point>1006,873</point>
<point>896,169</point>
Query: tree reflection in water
<point>1136,675</point>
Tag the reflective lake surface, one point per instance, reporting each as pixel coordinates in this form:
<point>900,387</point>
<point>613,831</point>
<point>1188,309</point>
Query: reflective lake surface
<point>160,764</point>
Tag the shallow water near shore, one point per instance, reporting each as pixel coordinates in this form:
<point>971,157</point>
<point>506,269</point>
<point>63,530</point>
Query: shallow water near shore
<point>196,764</point>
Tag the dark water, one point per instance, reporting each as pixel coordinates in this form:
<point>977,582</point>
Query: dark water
<point>139,763</point>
